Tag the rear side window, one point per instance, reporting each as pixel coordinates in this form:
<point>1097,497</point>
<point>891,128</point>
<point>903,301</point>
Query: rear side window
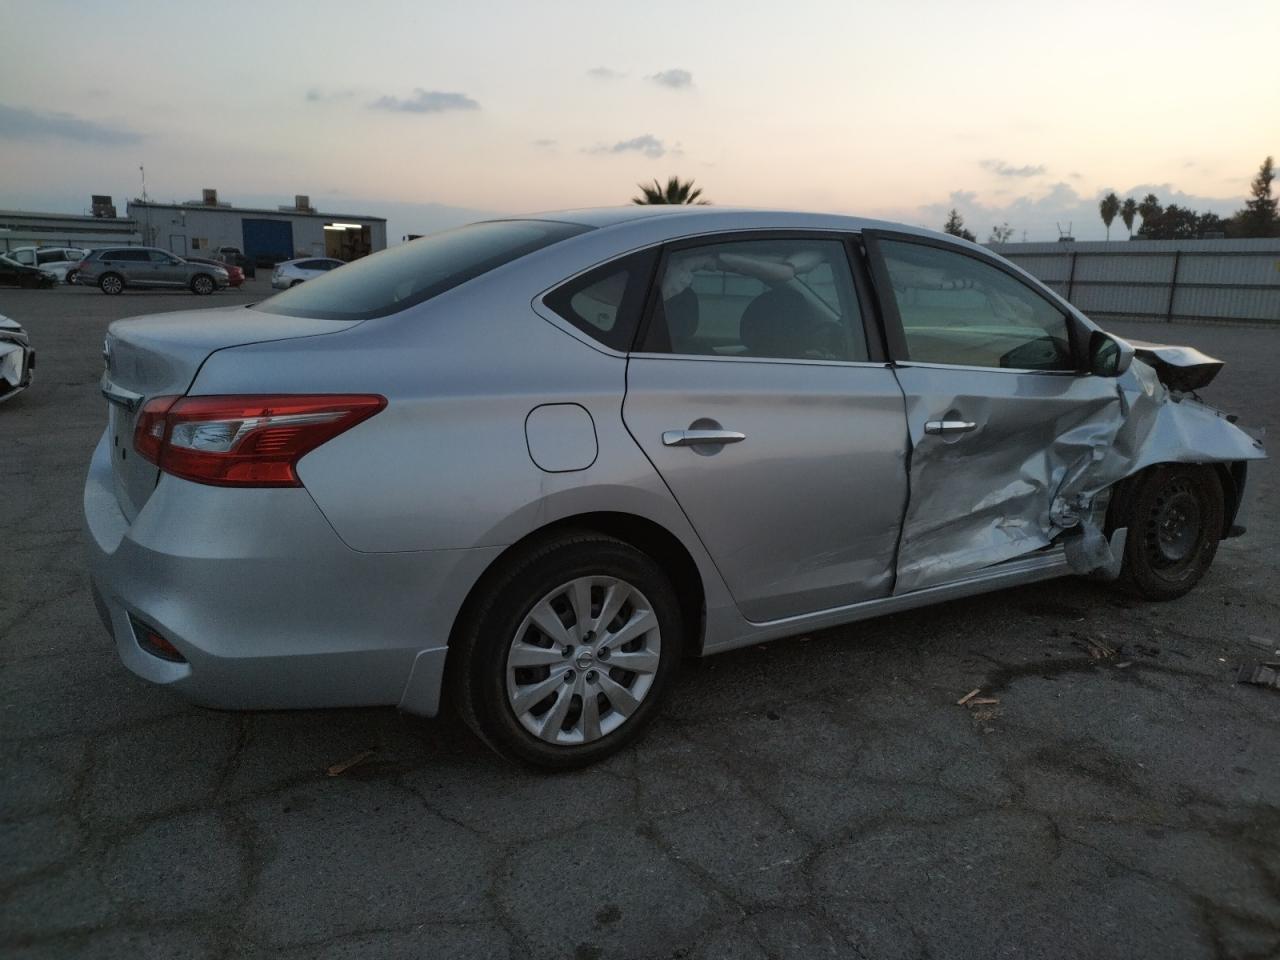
<point>413,272</point>
<point>131,256</point>
<point>606,303</point>
<point>784,299</point>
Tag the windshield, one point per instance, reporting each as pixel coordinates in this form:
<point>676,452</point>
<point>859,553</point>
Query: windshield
<point>402,276</point>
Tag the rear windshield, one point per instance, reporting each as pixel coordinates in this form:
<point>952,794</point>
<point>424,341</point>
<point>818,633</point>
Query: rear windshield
<point>399,277</point>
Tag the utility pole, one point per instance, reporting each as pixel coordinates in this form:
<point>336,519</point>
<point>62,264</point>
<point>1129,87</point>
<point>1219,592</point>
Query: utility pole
<point>147,238</point>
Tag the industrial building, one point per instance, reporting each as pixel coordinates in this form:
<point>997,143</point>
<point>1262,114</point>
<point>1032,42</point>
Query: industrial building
<point>102,228</point>
<point>266,236</point>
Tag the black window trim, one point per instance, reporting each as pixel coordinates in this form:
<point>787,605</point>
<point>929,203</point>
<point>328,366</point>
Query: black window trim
<point>894,332</point>
<point>876,353</point>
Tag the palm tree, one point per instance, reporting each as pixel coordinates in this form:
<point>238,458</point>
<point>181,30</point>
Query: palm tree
<point>676,191</point>
<point>1109,207</point>
<point>1129,210</point>
<point>1149,208</point>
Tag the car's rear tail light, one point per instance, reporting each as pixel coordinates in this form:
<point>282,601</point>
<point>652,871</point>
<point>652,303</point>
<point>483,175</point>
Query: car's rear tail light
<point>244,441</point>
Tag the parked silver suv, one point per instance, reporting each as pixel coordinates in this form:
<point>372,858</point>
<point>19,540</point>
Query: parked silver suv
<point>114,268</point>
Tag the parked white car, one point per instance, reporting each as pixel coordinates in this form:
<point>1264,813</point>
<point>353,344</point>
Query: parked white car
<point>293,272</point>
<point>62,262</point>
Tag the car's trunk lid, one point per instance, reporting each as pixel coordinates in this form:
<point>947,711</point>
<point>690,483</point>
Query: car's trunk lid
<point>160,355</point>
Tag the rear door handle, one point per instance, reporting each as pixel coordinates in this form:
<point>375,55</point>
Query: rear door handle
<point>690,438</point>
<point>941,428</point>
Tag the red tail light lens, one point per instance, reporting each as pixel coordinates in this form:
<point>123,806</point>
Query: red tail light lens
<point>244,441</point>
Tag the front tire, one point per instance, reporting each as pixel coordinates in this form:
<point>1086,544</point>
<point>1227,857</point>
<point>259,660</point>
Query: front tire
<point>1175,521</point>
<point>202,285</point>
<point>567,652</point>
<point>112,284</point>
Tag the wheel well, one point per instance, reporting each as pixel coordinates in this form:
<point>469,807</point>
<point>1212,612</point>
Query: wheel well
<point>645,535</point>
<point>1231,475</point>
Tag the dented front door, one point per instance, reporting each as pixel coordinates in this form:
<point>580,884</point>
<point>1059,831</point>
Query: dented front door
<point>997,410</point>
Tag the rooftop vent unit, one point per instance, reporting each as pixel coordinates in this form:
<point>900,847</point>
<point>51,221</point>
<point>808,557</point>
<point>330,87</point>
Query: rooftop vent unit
<point>210,197</point>
<point>102,206</point>
<point>302,202</point>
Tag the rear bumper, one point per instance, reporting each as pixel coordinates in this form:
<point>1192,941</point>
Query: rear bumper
<point>268,607</point>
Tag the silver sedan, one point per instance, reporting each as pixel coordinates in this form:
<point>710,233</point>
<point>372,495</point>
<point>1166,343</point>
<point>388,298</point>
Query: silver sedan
<point>535,463</point>
<point>293,272</point>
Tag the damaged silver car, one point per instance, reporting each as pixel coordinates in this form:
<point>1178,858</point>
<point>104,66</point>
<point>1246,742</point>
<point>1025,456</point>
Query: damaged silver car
<point>533,463</point>
<point>17,359</point>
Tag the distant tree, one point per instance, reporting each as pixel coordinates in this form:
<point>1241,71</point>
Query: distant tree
<point>676,191</point>
<point>955,226</point>
<point>1128,210</point>
<point>1180,223</point>
<point>1109,207</point>
<point>1000,234</point>
<point>1149,208</point>
<point>1259,218</point>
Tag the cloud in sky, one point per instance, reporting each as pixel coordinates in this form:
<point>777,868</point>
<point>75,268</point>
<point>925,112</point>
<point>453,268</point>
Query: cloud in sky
<point>316,95</point>
<point>19,123</point>
<point>544,142</point>
<point>604,73</point>
<point>646,143</point>
<point>1003,169</point>
<point>425,101</point>
<point>676,79</point>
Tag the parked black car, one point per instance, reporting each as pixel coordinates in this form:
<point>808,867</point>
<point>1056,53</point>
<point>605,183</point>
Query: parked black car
<point>29,278</point>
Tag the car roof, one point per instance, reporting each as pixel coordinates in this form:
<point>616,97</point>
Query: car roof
<point>690,219</point>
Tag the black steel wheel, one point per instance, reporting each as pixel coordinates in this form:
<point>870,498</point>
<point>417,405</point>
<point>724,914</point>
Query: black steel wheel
<point>1175,522</point>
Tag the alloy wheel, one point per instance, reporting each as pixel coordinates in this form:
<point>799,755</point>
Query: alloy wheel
<point>583,660</point>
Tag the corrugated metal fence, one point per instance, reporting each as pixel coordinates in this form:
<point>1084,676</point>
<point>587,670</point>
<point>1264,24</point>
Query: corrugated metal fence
<point>1159,279</point>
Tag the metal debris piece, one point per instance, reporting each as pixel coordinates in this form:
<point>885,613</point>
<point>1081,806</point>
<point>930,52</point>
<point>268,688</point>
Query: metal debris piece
<point>1260,673</point>
<point>983,701</point>
<point>340,768</point>
<point>1097,649</point>
<point>968,696</point>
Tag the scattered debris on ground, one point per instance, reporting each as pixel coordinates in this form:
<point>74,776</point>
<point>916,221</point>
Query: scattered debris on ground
<point>1096,649</point>
<point>338,769</point>
<point>1260,674</point>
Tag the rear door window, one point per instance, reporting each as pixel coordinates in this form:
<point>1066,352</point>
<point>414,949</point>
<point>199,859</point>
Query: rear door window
<point>399,277</point>
<point>787,298</point>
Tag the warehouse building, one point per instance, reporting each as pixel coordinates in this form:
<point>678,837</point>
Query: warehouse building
<point>102,228</point>
<point>207,227</point>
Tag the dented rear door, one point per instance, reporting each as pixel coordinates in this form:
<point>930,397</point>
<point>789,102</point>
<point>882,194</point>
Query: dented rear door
<point>997,411</point>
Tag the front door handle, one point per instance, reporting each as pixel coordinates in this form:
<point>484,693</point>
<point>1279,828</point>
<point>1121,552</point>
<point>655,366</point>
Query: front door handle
<point>690,438</point>
<point>942,428</point>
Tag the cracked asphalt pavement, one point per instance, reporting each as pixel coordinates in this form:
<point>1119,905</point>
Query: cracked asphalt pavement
<point>824,796</point>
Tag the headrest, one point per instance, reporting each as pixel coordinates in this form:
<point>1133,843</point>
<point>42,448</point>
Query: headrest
<point>776,324</point>
<point>681,312</point>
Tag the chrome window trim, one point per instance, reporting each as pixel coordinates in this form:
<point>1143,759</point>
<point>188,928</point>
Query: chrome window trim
<point>880,365</point>
<point>978,367</point>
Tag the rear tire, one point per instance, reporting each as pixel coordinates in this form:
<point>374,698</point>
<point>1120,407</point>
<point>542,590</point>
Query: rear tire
<point>202,284</point>
<point>71,277</point>
<point>1175,522</point>
<point>111,284</point>
<point>574,703</point>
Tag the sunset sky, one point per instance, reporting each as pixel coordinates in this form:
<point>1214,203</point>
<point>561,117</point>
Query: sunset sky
<point>432,113</point>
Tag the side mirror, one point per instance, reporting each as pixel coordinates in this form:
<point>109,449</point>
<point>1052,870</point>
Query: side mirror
<point>1108,356</point>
